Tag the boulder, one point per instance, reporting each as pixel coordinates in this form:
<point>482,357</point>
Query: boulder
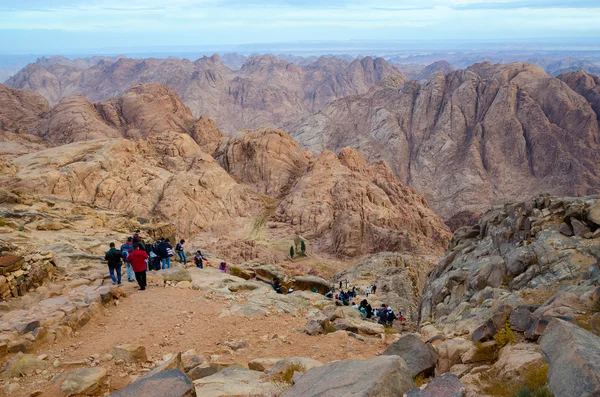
<point>262,364</point>
<point>317,324</point>
<point>172,363</point>
<point>308,283</point>
<point>130,353</point>
<point>446,385</point>
<point>380,376</point>
<point>484,332</point>
<point>341,324</point>
<point>236,345</point>
<point>449,354</point>
<point>176,274</point>
<point>514,359</point>
<point>83,381</point>
<point>419,356</point>
<point>565,229</point>
<point>573,356</point>
<point>281,365</point>
<point>593,213</point>
<point>579,228</point>
<point>172,383</point>
<point>595,322</point>
<point>235,381</point>
<point>521,319</point>
<point>537,328</point>
<point>23,364</point>
<point>24,328</point>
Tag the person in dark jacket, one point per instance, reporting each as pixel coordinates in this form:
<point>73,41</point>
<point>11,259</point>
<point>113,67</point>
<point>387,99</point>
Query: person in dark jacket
<point>126,249</point>
<point>181,252</point>
<point>113,257</point>
<point>138,260</point>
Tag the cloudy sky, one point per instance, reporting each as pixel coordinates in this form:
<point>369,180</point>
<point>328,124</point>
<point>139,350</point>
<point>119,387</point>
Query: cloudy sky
<point>70,25</point>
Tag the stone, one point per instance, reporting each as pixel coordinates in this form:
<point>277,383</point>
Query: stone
<point>130,353</point>
<point>262,364</point>
<point>36,393</point>
<point>20,345</point>
<point>10,263</point>
<point>521,319</point>
<point>172,383</point>
<point>341,324</point>
<point>380,376</point>
<point>446,385</point>
<point>537,328</point>
<point>514,359</point>
<point>565,229</point>
<point>593,214</point>
<point>484,332</point>
<point>419,357</point>
<point>236,344</point>
<point>449,354</point>
<point>203,370</point>
<point>308,283</point>
<point>573,356</point>
<point>579,228</point>
<point>595,322</point>
<point>235,381</point>
<point>83,381</point>
<point>11,387</point>
<point>485,349</point>
<point>26,327</point>
<point>23,364</point>
<point>306,363</point>
<point>316,324</point>
<point>172,363</point>
<point>176,274</point>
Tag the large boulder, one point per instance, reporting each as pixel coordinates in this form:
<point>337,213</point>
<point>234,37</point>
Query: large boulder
<point>130,353</point>
<point>172,383</point>
<point>420,357</point>
<point>235,381</point>
<point>23,364</point>
<point>573,356</point>
<point>308,283</point>
<point>446,385</point>
<point>176,274</point>
<point>377,377</point>
<point>449,353</point>
<point>83,381</point>
<point>173,362</point>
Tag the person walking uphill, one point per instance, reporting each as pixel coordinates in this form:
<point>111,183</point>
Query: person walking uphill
<point>181,252</point>
<point>138,262</point>
<point>113,257</point>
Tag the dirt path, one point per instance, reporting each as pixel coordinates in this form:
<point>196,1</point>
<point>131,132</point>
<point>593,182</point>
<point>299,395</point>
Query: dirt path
<point>168,320</point>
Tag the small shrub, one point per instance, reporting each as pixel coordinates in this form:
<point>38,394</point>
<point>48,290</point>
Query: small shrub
<point>303,248</point>
<point>484,354</point>
<point>236,271</point>
<point>21,228</point>
<point>505,336</point>
<point>3,222</point>
<point>421,379</point>
<point>533,382</point>
<point>285,377</point>
<point>329,328</point>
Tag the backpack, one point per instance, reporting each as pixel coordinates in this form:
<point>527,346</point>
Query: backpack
<point>125,254</point>
<point>169,252</point>
<point>391,316</point>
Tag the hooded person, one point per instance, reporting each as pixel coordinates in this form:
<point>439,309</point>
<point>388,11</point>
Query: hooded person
<point>126,249</point>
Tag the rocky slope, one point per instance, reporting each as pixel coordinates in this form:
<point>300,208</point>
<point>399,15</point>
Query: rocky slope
<point>146,154</point>
<point>470,138</point>
<point>265,91</point>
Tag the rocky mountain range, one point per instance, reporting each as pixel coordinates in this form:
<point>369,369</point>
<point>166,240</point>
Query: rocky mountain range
<point>265,91</point>
<point>146,154</point>
<point>470,138</point>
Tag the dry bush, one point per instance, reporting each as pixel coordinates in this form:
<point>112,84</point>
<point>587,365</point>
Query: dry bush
<point>533,382</point>
<point>505,336</point>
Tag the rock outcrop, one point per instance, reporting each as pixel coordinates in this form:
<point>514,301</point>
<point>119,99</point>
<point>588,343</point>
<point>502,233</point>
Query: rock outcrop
<point>471,138</point>
<point>517,267</point>
<point>352,207</point>
<point>265,91</point>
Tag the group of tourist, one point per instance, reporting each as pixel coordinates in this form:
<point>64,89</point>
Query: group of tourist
<point>140,257</point>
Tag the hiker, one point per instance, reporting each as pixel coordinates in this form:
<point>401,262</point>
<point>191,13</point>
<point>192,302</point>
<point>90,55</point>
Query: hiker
<point>154,260</point>
<point>354,305</point>
<point>390,316</point>
<point>113,256</point>
<point>354,292</point>
<point>276,284</point>
<point>163,253</point>
<point>367,291</point>
<point>347,283</point>
<point>223,267</point>
<point>181,252</point>
<point>329,294</point>
<point>199,260</point>
<point>126,249</point>
<point>382,313</point>
<point>137,239</point>
<point>340,285</point>
<point>138,263</point>
<point>373,289</point>
<point>368,310</point>
<point>169,250</point>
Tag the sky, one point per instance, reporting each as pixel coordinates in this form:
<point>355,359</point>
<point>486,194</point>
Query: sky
<point>63,26</point>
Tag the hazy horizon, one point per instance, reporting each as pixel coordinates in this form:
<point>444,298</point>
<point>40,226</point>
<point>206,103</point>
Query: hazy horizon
<point>112,26</point>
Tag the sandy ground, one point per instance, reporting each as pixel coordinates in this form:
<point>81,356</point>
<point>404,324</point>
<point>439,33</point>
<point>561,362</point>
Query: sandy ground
<point>168,320</point>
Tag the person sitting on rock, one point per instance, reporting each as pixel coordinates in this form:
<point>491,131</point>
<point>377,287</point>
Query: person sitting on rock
<point>329,294</point>
<point>199,260</point>
<point>367,308</point>
<point>354,305</point>
<point>113,257</point>
<point>276,284</point>
<point>138,262</point>
<point>126,249</point>
<point>223,267</point>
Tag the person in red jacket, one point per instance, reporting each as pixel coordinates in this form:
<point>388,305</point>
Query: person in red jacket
<point>138,260</point>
